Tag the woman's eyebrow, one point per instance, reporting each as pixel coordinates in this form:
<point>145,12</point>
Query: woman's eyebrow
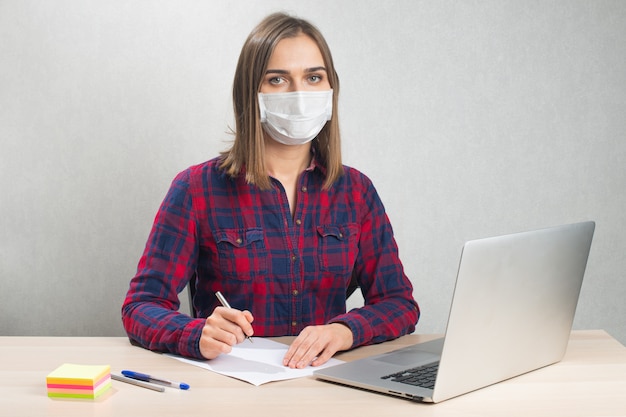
<point>285,72</point>
<point>315,69</point>
<point>276,71</point>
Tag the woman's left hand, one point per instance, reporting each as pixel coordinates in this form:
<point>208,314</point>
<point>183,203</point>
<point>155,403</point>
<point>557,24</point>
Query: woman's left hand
<point>315,345</point>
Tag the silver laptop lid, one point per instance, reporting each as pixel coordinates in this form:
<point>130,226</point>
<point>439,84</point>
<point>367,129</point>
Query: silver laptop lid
<point>513,306</point>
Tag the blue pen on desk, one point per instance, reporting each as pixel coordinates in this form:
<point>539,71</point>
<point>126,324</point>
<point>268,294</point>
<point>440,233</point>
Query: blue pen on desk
<point>148,378</point>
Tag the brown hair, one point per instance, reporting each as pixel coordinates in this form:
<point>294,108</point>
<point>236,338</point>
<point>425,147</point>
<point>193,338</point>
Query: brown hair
<point>248,150</point>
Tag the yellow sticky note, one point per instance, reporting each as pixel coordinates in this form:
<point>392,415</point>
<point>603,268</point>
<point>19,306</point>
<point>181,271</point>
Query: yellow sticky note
<point>79,381</point>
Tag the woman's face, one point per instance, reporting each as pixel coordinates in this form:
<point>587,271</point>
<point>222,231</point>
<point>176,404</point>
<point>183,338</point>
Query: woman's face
<point>295,65</point>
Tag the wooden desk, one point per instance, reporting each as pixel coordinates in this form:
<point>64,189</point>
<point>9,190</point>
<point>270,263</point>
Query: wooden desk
<point>590,381</point>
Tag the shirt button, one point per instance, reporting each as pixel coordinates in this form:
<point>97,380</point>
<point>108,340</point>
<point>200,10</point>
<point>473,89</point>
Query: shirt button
<point>294,324</point>
<point>298,222</point>
<point>239,241</point>
<point>304,189</point>
<point>295,293</point>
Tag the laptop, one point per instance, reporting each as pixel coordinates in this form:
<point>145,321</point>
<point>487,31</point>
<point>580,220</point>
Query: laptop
<point>512,312</point>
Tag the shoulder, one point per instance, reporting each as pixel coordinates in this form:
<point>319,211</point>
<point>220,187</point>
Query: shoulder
<point>199,179</point>
<point>355,187</point>
<point>205,168</point>
<point>201,174</point>
<point>352,177</point>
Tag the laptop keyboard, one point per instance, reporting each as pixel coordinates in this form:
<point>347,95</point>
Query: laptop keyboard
<point>422,376</point>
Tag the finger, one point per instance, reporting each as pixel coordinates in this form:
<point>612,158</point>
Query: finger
<point>210,344</point>
<point>292,353</point>
<point>221,329</point>
<point>312,353</point>
<point>324,357</point>
<point>304,349</point>
<point>248,330</point>
<point>226,319</point>
<point>240,321</point>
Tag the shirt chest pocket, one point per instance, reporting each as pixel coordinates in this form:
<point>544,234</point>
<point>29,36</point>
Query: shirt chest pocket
<point>338,247</point>
<point>242,253</point>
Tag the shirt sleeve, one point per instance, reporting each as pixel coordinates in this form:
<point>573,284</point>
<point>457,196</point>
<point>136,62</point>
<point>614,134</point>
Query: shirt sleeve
<point>150,310</point>
<point>390,310</point>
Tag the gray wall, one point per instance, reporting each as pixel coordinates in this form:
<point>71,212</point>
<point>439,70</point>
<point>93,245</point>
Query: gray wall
<point>473,119</point>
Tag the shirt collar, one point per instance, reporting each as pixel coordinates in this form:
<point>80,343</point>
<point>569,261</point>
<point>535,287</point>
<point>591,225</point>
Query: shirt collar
<point>315,163</point>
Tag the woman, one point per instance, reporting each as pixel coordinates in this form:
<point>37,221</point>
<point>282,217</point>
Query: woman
<point>277,223</point>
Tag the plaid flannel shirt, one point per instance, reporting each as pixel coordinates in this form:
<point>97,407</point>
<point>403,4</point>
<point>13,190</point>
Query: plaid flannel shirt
<point>290,272</point>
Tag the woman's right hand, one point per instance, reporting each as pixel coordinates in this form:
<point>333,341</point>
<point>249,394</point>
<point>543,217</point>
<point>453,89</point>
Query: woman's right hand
<point>223,329</point>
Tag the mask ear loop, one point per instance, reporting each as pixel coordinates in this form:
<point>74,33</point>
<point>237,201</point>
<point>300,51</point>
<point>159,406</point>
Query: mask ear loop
<point>329,103</point>
<point>329,106</point>
<point>262,112</point>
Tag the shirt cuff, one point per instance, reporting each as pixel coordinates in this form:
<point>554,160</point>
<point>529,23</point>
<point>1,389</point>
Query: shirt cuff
<point>189,341</point>
<point>362,332</point>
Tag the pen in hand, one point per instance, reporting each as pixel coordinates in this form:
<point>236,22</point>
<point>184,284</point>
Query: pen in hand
<point>224,303</point>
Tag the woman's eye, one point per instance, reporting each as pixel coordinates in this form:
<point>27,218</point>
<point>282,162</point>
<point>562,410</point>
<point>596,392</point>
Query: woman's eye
<point>315,79</point>
<point>275,80</point>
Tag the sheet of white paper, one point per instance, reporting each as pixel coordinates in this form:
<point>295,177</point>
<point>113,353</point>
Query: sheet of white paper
<point>257,363</point>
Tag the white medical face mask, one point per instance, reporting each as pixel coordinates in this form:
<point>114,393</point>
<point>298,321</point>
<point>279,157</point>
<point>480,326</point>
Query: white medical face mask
<point>295,118</point>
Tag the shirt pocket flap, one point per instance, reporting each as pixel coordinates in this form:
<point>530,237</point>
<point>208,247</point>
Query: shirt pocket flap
<point>331,230</point>
<point>239,238</point>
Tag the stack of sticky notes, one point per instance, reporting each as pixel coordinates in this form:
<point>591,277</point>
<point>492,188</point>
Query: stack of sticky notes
<point>79,381</point>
